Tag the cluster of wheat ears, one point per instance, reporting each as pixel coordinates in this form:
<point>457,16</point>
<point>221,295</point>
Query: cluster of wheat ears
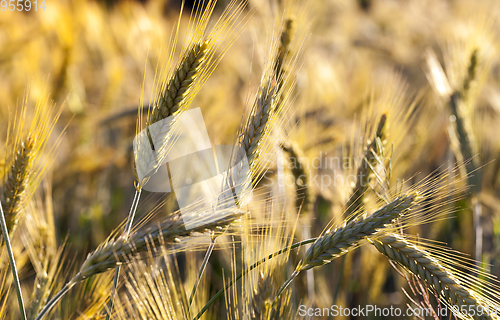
<point>135,273</point>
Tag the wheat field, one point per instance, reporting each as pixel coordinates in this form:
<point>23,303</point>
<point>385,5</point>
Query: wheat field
<point>249,159</point>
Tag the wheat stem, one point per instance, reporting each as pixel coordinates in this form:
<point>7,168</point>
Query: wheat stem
<point>202,270</point>
<point>285,285</point>
<point>12,261</point>
<point>55,299</point>
<point>128,227</point>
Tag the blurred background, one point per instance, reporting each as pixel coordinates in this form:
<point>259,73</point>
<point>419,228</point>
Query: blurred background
<point>93,57</point>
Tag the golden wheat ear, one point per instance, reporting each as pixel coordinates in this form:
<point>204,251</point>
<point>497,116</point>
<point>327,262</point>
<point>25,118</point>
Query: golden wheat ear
<point>457,281</point>
<point>23,176</point>
<point>26,156</point>
<point>177,83</point>
<point>264,121</point>
<point>468,60</point>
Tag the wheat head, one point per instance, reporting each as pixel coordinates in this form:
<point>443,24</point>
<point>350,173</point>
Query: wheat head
<point>335,243</point>
<point>438,276</point>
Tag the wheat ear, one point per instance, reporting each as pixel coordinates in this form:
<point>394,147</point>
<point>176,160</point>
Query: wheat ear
<point>196,65</point>
<point>302,191</point>
<point>170,102</point>
<point>284,48</point>
<point>178,87</point>
<point>258,122</point>
<point>116,252</point>
<point>16,183</point>
<point>466,148</point>
<point>370,154</point>
<point>13,193</point>
<point>335,243</point>
<point>262,297</point>
<point>423,265</point>
<point>39,295</point>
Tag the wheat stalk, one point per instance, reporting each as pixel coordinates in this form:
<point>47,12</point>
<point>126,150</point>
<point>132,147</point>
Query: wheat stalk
<point>466,148</point>
<point>171,101</point>
<point>426,267</point>
<point>25,172</point>
<point>176,94</point>
<point>12,262</point>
